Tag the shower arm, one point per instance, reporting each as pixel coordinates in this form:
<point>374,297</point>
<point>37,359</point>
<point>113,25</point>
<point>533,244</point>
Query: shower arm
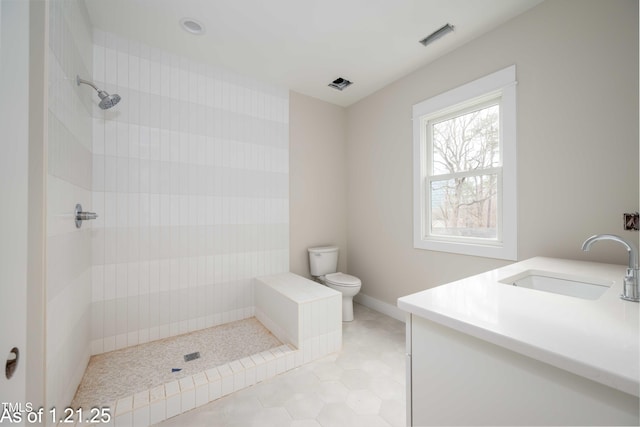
<point>79,80</point>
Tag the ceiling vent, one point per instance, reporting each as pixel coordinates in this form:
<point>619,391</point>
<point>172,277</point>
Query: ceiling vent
<point>440,32</point>
<point>340,83</point>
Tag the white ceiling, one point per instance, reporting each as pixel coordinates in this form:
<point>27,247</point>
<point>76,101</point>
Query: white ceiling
<point>305,44</point>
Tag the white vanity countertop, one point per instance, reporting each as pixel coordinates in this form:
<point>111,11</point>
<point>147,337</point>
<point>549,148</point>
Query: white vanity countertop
<point>596,339</point>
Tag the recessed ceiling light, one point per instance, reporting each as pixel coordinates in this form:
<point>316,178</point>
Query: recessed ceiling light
<point>192,26</point>
<point>340,83</point>
<point>440,32</point>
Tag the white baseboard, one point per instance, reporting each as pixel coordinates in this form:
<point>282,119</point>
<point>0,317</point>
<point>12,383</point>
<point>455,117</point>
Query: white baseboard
<point>380,306</point>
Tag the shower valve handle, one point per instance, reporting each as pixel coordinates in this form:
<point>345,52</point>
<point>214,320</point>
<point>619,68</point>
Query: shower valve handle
<point>80,215</point>
<point>86,215</point>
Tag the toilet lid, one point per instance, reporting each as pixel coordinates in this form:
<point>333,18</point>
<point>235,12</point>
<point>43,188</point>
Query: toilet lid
<point>342,279</point>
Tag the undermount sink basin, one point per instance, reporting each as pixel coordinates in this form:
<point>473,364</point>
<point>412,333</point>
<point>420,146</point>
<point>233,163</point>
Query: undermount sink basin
<point>562,284</point>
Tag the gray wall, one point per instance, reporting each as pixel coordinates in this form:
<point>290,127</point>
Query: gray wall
<point>317,179</point>
<point>577,72</point>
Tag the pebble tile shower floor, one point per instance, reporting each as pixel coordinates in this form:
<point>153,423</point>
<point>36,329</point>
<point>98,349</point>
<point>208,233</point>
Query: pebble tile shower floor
<point>121,373</point>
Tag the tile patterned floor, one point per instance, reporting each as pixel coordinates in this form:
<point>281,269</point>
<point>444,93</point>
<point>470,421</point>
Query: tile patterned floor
<point>363,385</point>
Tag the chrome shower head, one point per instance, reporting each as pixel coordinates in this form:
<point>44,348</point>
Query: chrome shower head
<point>106,101</point>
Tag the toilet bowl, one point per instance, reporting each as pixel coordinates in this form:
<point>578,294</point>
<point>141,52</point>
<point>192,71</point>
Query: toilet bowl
<point>348,286</point>
<point>323,263</point>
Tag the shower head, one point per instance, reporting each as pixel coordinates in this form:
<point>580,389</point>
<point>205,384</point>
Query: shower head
<point>106,101</point>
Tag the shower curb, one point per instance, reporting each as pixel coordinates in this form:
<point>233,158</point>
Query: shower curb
<point>176,397</point>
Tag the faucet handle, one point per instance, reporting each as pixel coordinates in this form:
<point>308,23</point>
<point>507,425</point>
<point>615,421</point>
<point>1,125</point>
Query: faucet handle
<point>80,215</point>
<point>630,290</point>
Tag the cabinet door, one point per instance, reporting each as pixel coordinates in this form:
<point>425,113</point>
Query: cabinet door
<point>458,379</point>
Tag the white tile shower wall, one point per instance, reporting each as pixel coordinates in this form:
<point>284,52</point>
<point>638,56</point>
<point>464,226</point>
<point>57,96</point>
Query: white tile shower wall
<point>190,179</point>
<point>69,175</point>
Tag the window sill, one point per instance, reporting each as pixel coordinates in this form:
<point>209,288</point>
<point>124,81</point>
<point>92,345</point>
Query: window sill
<point>498,251</point>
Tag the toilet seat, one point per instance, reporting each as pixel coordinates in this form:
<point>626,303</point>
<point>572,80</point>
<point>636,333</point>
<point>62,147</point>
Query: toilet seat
<point>341,279</point>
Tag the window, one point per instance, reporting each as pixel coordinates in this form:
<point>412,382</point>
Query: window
<point>465,169</point>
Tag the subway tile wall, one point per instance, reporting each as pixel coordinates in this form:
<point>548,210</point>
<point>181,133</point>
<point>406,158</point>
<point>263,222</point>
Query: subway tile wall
<point>69,181</point>
<point>190,179</point>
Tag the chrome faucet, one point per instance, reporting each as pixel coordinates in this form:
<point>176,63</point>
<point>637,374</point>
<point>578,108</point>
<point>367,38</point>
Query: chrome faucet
<point>630,291</point>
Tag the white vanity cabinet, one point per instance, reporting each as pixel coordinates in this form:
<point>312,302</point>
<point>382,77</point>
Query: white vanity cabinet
<point>457,379</point>
<point>480,352</point>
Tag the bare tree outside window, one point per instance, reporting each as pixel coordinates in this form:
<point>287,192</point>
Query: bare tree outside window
<point>465,149</point>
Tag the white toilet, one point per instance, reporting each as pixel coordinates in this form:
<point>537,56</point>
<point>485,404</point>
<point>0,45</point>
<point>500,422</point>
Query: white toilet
<point>323,263</point>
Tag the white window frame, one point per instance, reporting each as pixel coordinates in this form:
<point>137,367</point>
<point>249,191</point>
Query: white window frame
<point>498,85</point>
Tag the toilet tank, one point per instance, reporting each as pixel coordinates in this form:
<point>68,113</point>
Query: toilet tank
<point>323,260</point>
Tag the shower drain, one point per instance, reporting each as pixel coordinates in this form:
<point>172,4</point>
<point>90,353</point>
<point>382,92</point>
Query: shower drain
<point>191,356</point>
